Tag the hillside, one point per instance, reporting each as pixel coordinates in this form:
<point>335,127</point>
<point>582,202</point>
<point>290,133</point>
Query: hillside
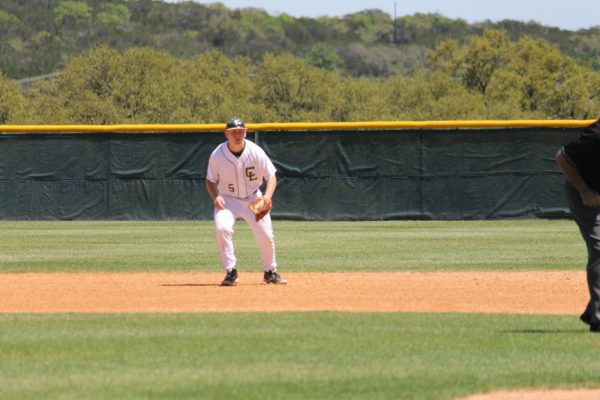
<point>40,36</point>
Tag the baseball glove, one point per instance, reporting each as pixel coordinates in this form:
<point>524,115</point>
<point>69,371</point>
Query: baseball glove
<point>260,207</point>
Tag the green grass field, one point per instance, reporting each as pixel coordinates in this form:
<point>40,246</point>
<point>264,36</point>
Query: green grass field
<point>291,355</point>
<point>301,246</point>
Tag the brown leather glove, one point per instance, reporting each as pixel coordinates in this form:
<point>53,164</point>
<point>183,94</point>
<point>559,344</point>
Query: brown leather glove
<point>260,207</point>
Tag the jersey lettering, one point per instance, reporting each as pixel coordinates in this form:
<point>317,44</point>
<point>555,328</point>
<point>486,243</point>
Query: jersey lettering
<point>231,188</point>
<point>250,174</point>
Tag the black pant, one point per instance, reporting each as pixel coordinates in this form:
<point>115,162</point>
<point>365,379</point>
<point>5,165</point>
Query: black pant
<point>588,220</point>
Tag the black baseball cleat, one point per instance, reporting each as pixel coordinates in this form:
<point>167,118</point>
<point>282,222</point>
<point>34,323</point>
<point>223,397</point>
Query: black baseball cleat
<point>585,319</point>
<point>231,278</point>
<point>274,277</point>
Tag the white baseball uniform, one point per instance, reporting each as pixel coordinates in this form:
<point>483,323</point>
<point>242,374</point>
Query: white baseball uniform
<point>238,182</point>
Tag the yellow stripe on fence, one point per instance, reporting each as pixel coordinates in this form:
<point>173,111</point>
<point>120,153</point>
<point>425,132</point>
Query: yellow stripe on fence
<point>295,126</point>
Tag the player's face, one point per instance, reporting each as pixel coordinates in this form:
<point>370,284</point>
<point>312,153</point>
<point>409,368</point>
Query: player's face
<point>235,137</point>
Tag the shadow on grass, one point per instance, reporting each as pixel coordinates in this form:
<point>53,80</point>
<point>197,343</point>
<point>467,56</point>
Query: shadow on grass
<point>545,331</point>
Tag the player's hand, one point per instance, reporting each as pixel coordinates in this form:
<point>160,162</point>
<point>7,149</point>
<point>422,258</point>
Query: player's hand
<point>591,199</point>
<point>219,203</point>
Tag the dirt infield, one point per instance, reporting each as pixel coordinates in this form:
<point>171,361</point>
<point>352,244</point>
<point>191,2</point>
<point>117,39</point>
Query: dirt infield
<point>485,292</point>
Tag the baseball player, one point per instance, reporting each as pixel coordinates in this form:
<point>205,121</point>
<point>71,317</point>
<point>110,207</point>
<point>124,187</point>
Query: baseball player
<point>580,164</point>
<point>236,170</point>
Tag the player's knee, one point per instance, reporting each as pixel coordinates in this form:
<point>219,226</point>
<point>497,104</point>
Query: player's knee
<point>223,230</point>
<point>267,240</point>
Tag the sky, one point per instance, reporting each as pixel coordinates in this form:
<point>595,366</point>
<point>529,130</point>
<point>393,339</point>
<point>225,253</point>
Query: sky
<point>564,14</point>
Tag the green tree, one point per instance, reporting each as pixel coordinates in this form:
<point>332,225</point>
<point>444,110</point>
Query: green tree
<point>82,93</point>
<point>486,78</point>
<point>114,16</point>
<point>9,25</point>
<point>324,57</point>
<point>554,84</point>
<point>13,105</point>
<point>218,88</point>
<point>47,50</point>
<point>148,88</point>
<point>479,61</point>
<point>377,61</point>
<point>573,95</point>
<point>293,91</point>
<point>432,95</point>
<point>73,15</point>
<point>370,26</point>
<point>502,98</point>
<point>222,32</point>
<point>526,79</point>
<point>361,100</point>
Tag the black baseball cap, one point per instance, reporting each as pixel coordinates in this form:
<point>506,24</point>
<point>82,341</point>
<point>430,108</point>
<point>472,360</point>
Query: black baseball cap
<point>235,123</point>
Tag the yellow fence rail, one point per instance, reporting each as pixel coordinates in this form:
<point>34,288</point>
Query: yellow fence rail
<point>296,126</point>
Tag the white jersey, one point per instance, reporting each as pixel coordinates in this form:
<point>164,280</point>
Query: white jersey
<point>239,177</point>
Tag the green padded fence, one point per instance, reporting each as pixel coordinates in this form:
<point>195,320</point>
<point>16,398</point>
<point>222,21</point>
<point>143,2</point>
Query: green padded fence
<point>412,172</point>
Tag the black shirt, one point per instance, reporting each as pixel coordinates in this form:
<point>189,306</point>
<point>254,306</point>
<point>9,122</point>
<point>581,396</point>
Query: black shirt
<point>584,154</point>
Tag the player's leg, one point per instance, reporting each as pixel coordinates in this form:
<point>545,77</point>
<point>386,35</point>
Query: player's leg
<point>588,221</point>
<point>263,233</point>
<point>592,240</point>
<point>224,222</point>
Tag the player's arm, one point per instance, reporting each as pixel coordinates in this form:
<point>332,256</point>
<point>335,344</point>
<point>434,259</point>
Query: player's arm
<point>213,192</point>
<point>270,187</point>
<point>263,205</point>
<point>589,197</point>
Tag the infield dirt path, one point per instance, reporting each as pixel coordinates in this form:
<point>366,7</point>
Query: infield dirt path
<point>485,292</point>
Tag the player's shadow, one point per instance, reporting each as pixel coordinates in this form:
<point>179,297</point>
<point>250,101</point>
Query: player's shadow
<point>204,284</point>
<point>189,284</point>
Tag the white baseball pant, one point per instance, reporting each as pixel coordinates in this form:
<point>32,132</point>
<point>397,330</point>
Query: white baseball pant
<point>263,232</point>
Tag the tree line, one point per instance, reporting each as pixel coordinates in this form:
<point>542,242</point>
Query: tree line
<point>40,36</point>
<point>487,77</point>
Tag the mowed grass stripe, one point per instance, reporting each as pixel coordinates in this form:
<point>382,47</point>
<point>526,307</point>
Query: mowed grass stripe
<point>289,355</point>
<point>77,246</point>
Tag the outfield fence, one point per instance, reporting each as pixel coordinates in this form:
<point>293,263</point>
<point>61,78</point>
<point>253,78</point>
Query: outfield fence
<point>326,171</point>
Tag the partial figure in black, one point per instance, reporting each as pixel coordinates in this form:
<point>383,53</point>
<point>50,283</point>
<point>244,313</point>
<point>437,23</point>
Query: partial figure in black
<point>580,164</point>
